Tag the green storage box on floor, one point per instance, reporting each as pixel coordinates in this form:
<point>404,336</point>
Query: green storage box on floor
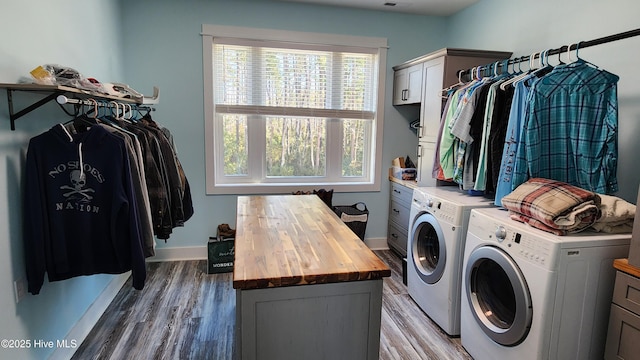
<point>221,254</point>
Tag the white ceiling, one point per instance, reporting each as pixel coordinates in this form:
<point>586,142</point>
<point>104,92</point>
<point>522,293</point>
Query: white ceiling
<point>421,7</point>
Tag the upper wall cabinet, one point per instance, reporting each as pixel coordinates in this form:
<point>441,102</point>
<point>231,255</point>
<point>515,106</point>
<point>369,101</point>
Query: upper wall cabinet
<point>407,84</point>
<point>438,70</point>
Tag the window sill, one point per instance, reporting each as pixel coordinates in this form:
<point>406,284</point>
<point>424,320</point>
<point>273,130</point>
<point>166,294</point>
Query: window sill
<point>242,189</point>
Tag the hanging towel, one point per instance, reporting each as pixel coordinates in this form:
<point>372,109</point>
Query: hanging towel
<point>617,215</point>
<point>558,206</point>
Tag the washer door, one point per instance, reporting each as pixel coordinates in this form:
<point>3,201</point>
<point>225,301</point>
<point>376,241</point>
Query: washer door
<point>498,295</point>
<point>428,248</point>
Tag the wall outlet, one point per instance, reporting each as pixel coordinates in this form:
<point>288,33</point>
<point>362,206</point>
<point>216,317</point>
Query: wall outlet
<point>20,289</point>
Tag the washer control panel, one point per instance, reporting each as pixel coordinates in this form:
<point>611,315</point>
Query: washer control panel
<point>526,246</point>
<point>442,210</point>
<point>519,243</point>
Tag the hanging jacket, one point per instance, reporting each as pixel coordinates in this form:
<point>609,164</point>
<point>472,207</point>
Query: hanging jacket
<point>80,215</point>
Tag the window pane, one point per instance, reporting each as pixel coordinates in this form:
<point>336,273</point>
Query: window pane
<point>235,144</point>
<point>357,74</point>
<point>353,146</point>
<point>234,74</point>
<point>295,146</point>
<point>296,78</point>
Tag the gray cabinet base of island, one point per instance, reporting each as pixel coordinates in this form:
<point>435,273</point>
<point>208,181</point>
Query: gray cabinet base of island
<point>319,321</point>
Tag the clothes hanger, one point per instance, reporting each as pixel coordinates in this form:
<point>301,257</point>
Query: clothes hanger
<point>504,73</point>
<point>130,112</point>
<point>505,66</point>
<point>522,75</point>
<point>569,53</point>
<point>545,67</point>
<point>513,67</point>
<point>123,117</point>
<point>520,61</point>
<point>113,120</point>
<point>108,118</point>
<point>560,62</point>
<point>82,121</point>
<point>447,89</point>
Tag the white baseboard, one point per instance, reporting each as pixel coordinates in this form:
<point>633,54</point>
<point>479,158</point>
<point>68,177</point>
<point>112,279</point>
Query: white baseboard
<point>179,254</point>
<point>200,252</point>
<point>377,243</point>
<point>81,329</point>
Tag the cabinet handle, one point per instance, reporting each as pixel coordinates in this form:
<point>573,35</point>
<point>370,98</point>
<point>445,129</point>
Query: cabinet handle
<point>395,236</point>
<point>396,191</point>
<point>405,94</point>
<point>419,151</point>
<point>396,211</point>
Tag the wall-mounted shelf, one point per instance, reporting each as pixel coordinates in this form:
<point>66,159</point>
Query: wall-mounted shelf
<point>51,92</point>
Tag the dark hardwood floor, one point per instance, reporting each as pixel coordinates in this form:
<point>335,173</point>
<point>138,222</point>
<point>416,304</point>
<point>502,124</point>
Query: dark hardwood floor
<point>185,313</point>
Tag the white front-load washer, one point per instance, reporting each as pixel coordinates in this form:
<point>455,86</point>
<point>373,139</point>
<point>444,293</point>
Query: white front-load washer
<point>530,294</point>
<point>438,224</point>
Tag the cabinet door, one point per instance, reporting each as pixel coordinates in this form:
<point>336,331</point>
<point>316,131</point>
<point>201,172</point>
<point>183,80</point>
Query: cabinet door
<point>399,209</point>
<point>399,213</point>
<point>623,335</point>
<point>414,84</point>
<point>401,194</point>
<point>399,86</point>
<point>432,101</point>
<point>407,85</point>
<point>397,238</point>
<point>426,155</point>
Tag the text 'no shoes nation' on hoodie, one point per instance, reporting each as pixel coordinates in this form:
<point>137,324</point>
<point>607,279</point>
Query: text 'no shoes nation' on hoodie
<point>80,215</point>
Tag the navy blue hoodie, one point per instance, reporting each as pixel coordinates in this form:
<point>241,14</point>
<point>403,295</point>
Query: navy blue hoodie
<point>80,215</point>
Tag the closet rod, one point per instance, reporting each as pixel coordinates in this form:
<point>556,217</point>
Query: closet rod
<point>61,99</point>
<point>564,48</point>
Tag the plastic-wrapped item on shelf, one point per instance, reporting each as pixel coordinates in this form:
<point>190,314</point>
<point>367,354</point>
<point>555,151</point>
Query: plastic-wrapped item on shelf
<point>122,90</point>
<point>52,74</point>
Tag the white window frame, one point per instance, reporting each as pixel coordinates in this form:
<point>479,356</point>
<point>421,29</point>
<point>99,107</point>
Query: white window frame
<point>370,182</point>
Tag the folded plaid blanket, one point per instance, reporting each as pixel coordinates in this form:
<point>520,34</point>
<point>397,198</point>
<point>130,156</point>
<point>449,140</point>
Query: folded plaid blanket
<point>553,206</point>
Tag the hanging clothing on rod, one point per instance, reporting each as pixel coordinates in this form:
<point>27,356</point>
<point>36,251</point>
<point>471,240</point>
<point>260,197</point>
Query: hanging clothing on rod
<point>561,125</point>
<point>570,133</point>
<point>97,192</point>
<point>80,211</point>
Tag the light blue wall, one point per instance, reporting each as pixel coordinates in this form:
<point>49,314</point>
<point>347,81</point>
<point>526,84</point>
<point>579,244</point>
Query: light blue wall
<point>84,35</point>
<point>525,27</point>
<point>163,47</point>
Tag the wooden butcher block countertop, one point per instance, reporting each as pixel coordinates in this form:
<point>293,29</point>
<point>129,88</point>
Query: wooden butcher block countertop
<point>289,240</point>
